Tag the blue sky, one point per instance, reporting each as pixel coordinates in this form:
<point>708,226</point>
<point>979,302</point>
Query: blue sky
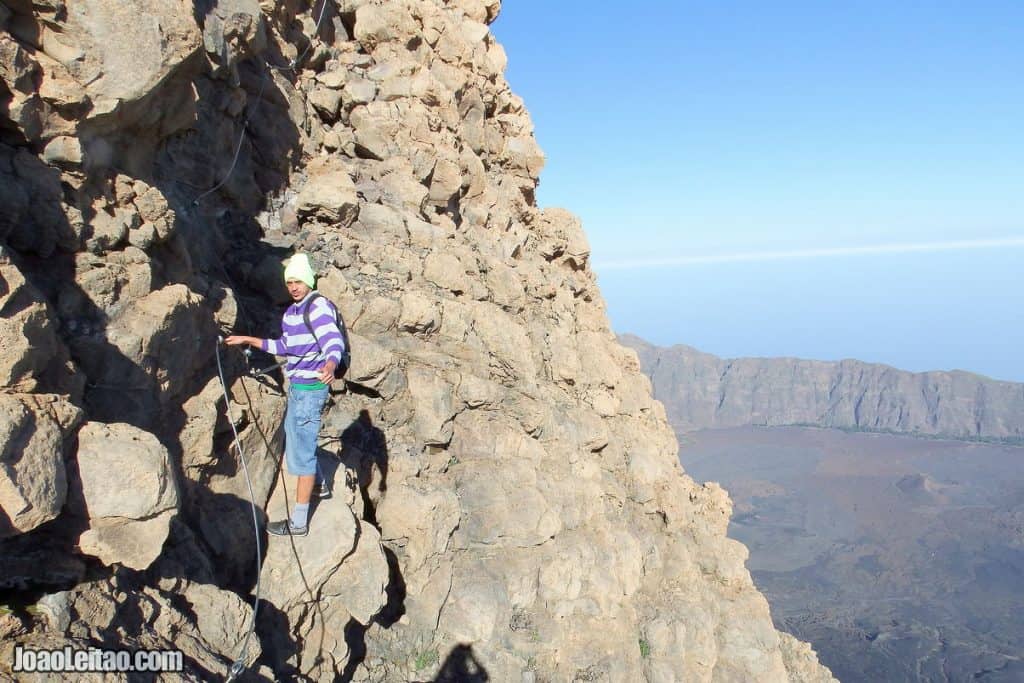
<point>695,132</point>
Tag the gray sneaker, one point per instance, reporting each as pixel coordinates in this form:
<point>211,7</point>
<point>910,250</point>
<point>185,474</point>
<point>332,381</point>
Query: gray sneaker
<point>322,490</point>
<point>285,528</point>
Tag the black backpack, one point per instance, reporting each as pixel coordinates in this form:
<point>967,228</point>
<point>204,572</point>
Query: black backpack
<point>346,355</point>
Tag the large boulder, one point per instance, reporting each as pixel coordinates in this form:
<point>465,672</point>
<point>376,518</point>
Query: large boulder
<point>323,581</point>
<point>207,624</point>
<point>28,334</point>
<point>32,218</point>
<point>233,30</point>
<point>329,193</point>
<point>33,479</point>
<point>99,59</point>
<point>128,492</point>
<point>152,347</point>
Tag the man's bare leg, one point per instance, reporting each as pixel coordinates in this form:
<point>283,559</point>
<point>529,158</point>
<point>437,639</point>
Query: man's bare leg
<point>304,488</point>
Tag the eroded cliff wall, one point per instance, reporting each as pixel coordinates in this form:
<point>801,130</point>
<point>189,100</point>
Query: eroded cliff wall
<point>702,391</point>
<point>508,497</point>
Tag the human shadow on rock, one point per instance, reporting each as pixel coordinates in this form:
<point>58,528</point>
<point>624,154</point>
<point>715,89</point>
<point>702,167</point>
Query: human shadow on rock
<point>462,666</point>
<point>363,448</point>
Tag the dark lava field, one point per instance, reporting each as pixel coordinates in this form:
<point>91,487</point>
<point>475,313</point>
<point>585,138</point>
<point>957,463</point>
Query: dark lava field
<point>898,558</point>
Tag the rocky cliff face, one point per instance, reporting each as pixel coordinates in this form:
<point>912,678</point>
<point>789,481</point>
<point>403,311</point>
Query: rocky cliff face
<point>508,498</point>
<point>703,391</point>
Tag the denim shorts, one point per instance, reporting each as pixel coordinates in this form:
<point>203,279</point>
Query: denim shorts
<point>301,427</point>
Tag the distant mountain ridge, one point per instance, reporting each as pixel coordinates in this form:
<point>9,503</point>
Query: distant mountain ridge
<point>702,391</point>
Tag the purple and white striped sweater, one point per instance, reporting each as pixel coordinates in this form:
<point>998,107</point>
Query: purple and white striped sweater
<point>304,358</point>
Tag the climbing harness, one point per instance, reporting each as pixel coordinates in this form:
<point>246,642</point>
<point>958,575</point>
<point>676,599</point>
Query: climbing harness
<point>238,666</point>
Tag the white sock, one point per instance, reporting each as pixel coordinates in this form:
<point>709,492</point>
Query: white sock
<point>300,514</point>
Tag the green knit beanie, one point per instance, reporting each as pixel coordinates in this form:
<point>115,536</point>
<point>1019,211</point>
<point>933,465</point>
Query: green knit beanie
<point>298,268</point>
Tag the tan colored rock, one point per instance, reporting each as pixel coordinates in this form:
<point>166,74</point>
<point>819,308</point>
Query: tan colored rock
<point>504,285</point>
<point>383,222</point>
<point>371,362</point>
<point>476,608</point>
<point>334,79</point>
<point>104,283</point>
<point>378,24</point>
<point>424,234</point>
<point>33,481</point>
<point>423,518</point>
<point>28,334</point>
<point>329,193</point>
<point>327,102</point>
<point>563,238</point>
<point>376,130</point>
<point>395,88</point>
<point>197,435</point>
<point>801,662</point>
<point>359,91</point>
<point>206,623</point>
<point>222,621</point>
<point>496,60</point>
<point>350,572</point>
<point>333,284</point>
<point>445,181</point>
<point>378,316</point>
<point>318,561</point>
<point>432,405</point>
<point>474,175</point>
<point>446,271</point>
<point>143,236</point>
<point>506,341</point>
<point>401,190</point>
<point>362,578</point>
<point>510,509</point>
<point>128,491</point>
<point>473,30</point>
<point>419,314</point>
<point>476,392</point>
<point>63,151</point>
<point>338,140</point>
<point>178,332</point>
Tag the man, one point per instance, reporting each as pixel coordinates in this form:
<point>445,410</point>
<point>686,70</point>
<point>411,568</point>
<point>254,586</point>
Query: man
<point>312,359</point>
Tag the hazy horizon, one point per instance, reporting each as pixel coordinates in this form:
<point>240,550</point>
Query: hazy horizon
<point>770,310</point>
<point>816,181</point>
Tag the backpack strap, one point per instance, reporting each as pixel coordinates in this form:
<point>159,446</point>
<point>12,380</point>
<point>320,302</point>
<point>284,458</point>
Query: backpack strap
<point>345,354</point>
<point>305,319</point>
